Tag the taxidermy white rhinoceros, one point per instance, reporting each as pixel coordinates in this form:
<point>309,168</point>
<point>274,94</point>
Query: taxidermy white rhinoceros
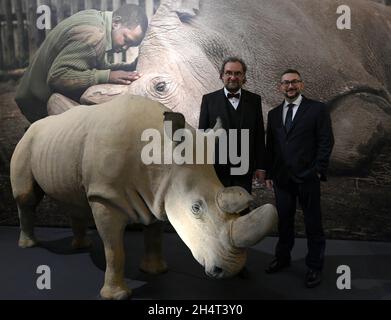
<point>90,157</point>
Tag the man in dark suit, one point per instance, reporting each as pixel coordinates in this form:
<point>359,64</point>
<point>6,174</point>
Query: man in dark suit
<point>238,109</point>
<point>299,142</point>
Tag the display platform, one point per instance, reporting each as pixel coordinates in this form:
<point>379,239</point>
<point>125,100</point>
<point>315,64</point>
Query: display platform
<point>79,274</point>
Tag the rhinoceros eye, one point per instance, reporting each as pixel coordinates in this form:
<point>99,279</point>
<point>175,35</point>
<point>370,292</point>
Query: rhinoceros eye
<point>161,86</point>
<point>197,209</point>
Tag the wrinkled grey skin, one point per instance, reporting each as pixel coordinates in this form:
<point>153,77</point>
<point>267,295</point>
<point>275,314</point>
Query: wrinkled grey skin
<point>348,69</point>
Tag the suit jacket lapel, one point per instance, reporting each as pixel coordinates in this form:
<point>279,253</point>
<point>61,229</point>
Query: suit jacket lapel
<point>278,120</point>
<point>279,111</point>
<point>246,113</point>
<point>243,98</point>
<point>300,112</point>
<point>222,105</point>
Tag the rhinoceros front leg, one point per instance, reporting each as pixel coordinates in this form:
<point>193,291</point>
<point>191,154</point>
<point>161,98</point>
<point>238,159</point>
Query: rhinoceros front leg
<point>361,125</point>
<point>153,261</point>
<point>111,223</point>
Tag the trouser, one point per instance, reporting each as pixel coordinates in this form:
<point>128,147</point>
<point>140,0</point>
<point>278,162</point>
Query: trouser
<point>308,194</point>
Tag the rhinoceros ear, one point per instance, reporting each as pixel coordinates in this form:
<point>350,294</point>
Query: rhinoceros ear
<point>233,199</point>
<point>188,9</point>
<point>177,121</point>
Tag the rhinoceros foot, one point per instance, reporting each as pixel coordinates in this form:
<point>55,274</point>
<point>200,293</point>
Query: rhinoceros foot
<point>121,292</point>
<point>153,265</point>
<point>26,242</point>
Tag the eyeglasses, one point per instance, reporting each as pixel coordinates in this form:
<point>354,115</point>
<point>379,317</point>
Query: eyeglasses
<point>230,74</point>
<point>293,82</point>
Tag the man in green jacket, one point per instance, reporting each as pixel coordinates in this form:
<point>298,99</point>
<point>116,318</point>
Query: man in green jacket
<point>73,57</point>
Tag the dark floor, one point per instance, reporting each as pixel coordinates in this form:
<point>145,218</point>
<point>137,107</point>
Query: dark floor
<point>79,275</point>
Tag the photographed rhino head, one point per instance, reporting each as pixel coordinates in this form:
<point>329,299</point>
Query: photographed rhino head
<point>349,70</point>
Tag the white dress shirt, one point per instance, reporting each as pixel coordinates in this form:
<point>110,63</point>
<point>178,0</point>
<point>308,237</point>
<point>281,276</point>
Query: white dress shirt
<point>234,101</point>
<point>297,103</point>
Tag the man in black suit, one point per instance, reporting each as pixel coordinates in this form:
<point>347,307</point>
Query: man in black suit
<point>299,142</point>
<point>238,109</point>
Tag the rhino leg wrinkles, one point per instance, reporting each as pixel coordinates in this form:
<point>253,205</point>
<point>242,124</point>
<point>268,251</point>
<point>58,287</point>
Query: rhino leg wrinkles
<point>110,223</point>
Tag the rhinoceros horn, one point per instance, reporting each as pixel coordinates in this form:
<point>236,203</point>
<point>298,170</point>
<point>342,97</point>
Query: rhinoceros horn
<point>248,230</point>
<point>182,9</point>
<point>233,199</point>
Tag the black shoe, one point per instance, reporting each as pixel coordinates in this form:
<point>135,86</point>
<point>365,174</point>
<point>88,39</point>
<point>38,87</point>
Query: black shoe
<point>244,273</point>
<point>276,265</point>
<point>313,278</point>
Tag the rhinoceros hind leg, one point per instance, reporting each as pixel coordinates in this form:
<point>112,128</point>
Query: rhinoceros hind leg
<point>26,204</point>
<point>79,223</point>
<point>361,125</point>
<point>153,261</point>
<point>111,223</point>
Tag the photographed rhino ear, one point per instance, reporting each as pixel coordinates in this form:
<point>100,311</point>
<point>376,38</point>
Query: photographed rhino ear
<point>188,9</point>
<point>177,121</point>
<point>218,125</point>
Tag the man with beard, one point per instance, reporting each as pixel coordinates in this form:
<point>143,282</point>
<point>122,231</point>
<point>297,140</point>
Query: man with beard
<point>238,109</point>
<point>73,57</point>
<point>298,145</point>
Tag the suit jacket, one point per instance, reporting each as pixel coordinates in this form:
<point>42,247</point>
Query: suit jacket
<point>216,105</point>
<point>304,151</point>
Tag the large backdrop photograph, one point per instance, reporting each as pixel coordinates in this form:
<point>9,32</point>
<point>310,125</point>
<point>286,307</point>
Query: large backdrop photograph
<point>342,49</point>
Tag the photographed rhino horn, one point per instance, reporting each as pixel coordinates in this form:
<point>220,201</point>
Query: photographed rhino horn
<point>180,10</point>
<point>248,230</point>
<point>233,199</point>
<point>188,9</point>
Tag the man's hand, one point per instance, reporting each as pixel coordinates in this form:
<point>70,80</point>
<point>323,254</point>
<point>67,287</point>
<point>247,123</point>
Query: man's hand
<point>124,77</point>
<point>260,175</point>
<point>269,184</point>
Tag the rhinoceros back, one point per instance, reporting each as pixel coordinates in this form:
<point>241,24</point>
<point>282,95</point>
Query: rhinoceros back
<point>89,145</point>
